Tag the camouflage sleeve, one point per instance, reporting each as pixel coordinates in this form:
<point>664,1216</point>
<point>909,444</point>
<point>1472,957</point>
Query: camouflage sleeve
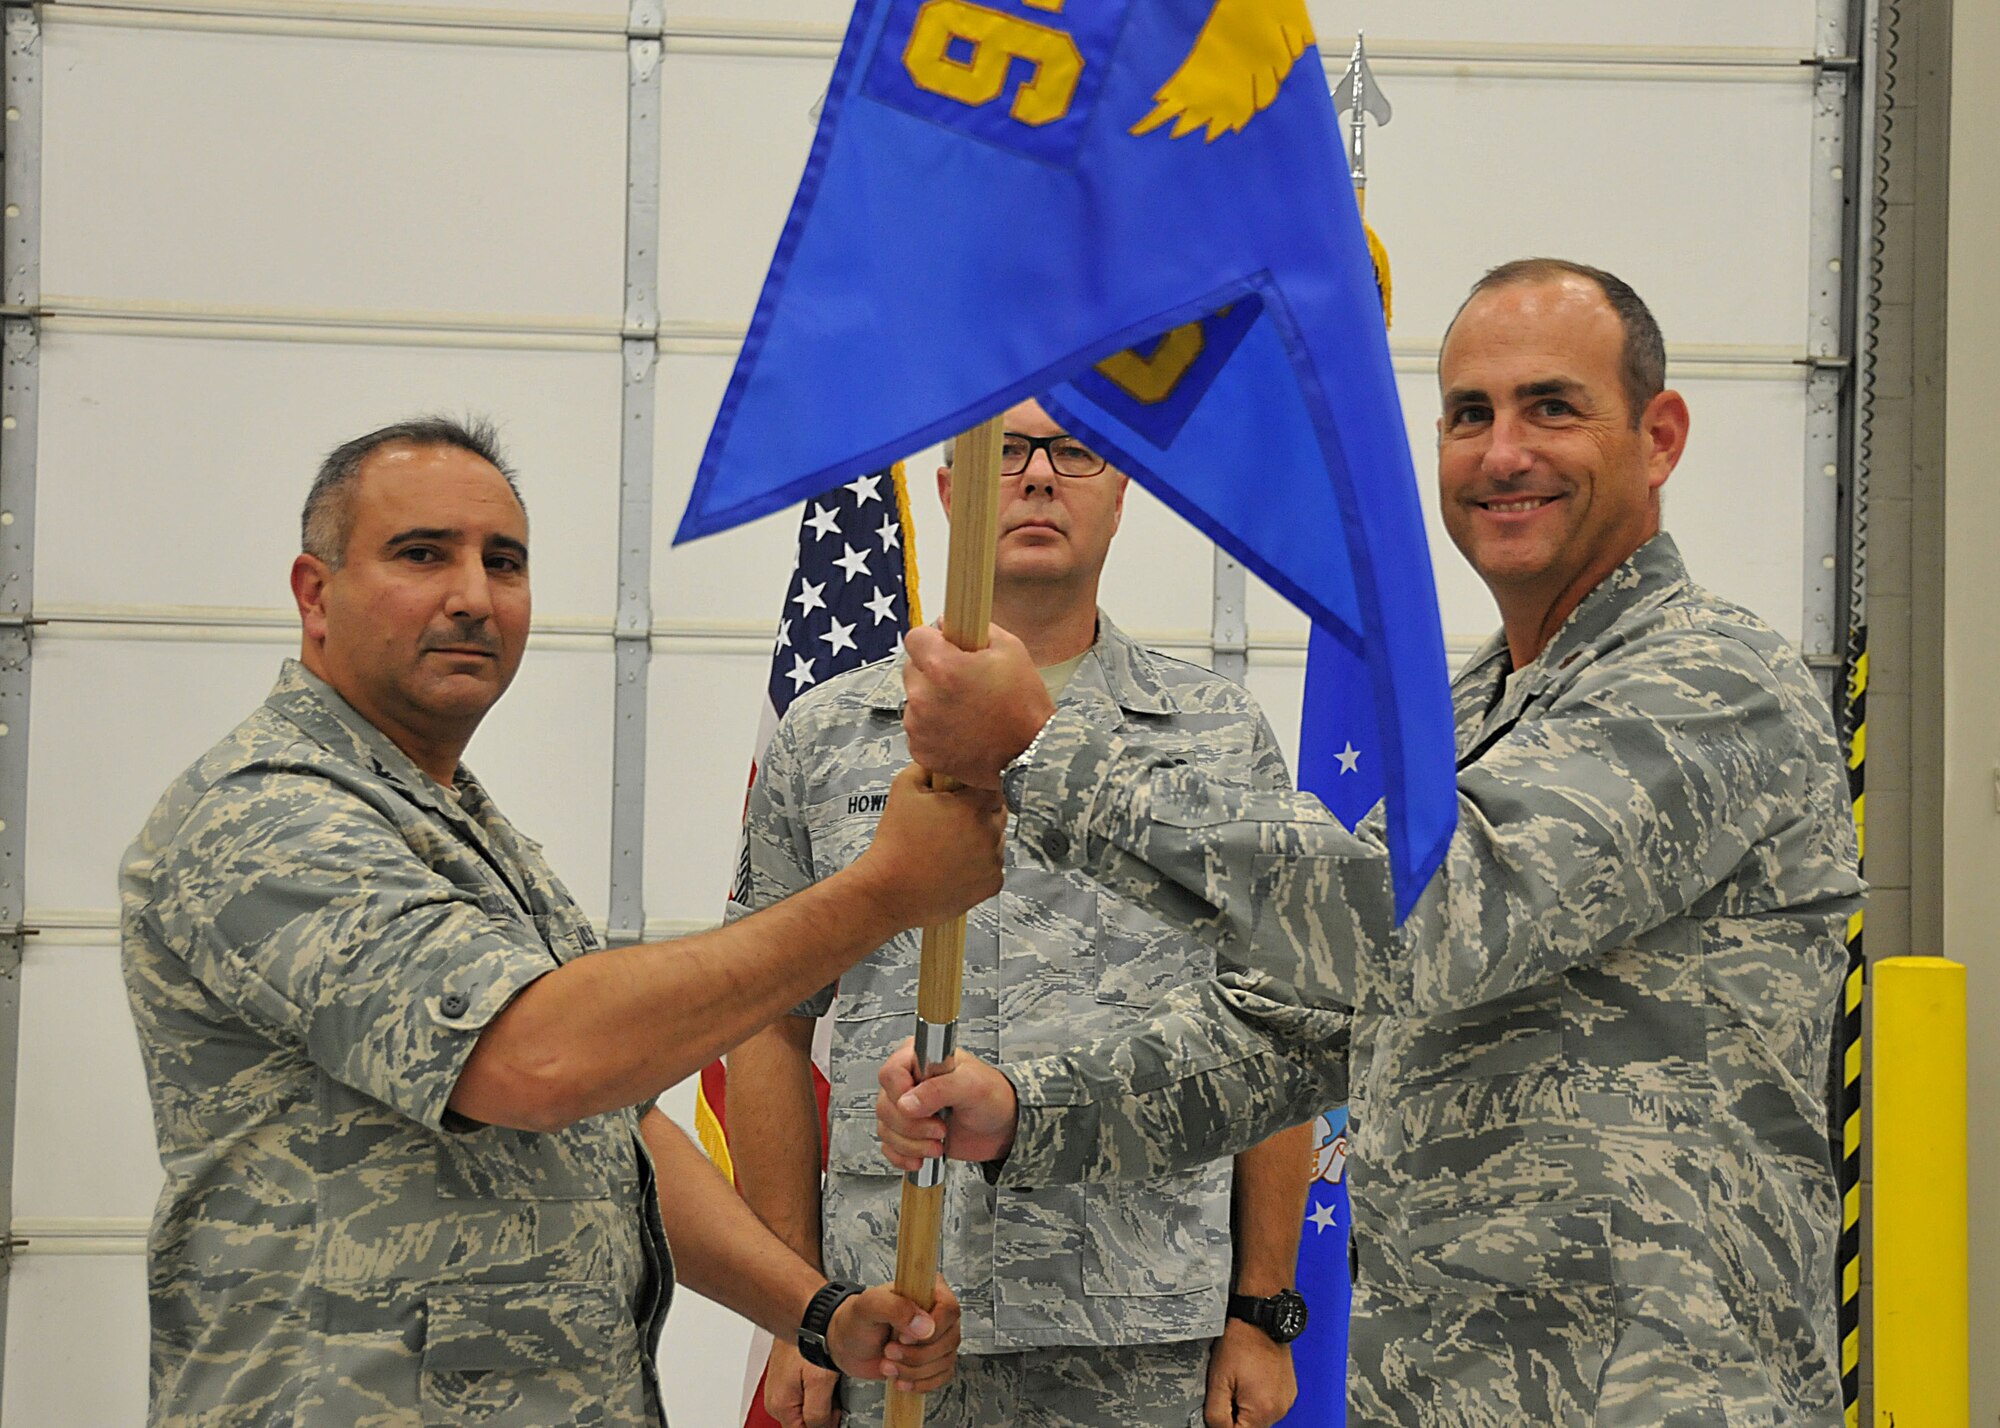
<point>302,909</point>
<point>1218,1067</point>
<point>1636,794</point>
<point>775,860</point>
<point>1268,769</point>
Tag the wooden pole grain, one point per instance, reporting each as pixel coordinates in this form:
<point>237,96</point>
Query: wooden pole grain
<point>968,610</point>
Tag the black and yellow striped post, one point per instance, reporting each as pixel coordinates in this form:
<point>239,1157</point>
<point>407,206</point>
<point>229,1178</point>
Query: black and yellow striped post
<point>1847,1061</point>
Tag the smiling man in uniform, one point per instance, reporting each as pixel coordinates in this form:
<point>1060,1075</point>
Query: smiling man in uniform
<point>1590,1166</point>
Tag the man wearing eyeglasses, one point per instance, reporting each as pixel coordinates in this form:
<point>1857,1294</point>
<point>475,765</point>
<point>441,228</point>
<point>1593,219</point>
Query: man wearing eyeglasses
<point>1082,1305</point>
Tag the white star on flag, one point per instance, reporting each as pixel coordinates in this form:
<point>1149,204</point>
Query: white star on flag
<point>1322,1216</point>
<point>801,673</point>
<point>811,597</point>
<point>1349,757</point>
<point>854,562</point>
<point>784,633</point>
<point>866,489</point>
<point>891,533</point>
<point>841,637</point>
<point>823,522</point>
<point>883,606</point>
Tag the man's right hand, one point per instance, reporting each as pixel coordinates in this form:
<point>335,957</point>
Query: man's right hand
<point>935,854</point>
<point>909,1119</point>
<point>799,1394</point>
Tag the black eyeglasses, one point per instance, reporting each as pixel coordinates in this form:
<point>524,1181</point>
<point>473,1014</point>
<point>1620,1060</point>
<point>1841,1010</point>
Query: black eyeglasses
<point>1067,455</point>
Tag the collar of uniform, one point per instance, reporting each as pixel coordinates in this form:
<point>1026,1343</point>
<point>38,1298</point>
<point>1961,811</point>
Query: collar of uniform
<point>1129,671</point>
<point>311,703</point>
<point>1649,574</point>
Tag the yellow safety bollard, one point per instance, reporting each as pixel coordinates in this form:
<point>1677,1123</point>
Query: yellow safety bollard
<point>1917,1128</point>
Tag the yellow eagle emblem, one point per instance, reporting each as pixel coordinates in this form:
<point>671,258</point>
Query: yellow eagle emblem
<point>1234,71</point>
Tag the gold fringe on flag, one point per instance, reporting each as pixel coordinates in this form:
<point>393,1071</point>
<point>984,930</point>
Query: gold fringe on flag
<point>909,546</point>
<point>1379,256</point>
<point>708,1130</point>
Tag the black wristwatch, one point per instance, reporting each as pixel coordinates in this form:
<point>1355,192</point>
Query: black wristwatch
<point>818,1316</point>
<point>1282,1316</point>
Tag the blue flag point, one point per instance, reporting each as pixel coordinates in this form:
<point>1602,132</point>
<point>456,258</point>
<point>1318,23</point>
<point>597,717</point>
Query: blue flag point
<point>1140,213</point>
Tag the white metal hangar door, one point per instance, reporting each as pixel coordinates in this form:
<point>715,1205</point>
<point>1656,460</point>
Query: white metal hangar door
<point>239,231</point>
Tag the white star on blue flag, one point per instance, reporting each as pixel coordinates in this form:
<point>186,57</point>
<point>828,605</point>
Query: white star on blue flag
<point>856,618</point>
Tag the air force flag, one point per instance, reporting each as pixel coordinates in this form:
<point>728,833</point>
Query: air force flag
<point>1137,210</point>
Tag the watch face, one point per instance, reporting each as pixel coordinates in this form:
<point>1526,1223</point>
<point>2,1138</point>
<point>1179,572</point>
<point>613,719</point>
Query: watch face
<point>1291,1323</point>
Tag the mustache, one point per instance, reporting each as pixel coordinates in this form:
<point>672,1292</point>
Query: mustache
<point>462,634</point>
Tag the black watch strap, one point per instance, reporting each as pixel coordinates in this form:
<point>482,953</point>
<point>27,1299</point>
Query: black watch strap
<point>819,1314</point>
<point>1282,1315</point>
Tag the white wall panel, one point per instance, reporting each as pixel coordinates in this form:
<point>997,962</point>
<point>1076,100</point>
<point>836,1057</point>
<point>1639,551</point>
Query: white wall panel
<point>702,1359</point>
<point>705,709</point>
<point>77,1030</point>
<point>1741,473</point>
<point>739,574</point>
<point>1776,23</point>
<point>592,14</point>
<point>175,502</point>
<point>113,723</point>
<point>76,1342</point>
<point>544,753</point>
<point>1160,573</point>
<point>322,173</point>
<point>1576,22</point>
<point>738,128</point>
<point>116,720</point>
<point>1736,503</point>
<point>1655,180</point>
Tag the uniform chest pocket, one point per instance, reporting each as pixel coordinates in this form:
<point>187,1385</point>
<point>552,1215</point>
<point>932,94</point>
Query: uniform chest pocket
<point>882,984</point>
<point>528,1356</point>
<point>1519,1032</point>
<point>1167,1236</point>
<point>838,841</point>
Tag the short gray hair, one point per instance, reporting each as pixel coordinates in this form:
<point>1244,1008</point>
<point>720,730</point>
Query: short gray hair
<point>1642,363</point>
<point>328,519</point>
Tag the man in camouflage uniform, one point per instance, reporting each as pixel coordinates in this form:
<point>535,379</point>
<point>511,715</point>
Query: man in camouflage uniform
<point>1083,1304</point>
<point>1590,1168</point>
<point>413,1171</point>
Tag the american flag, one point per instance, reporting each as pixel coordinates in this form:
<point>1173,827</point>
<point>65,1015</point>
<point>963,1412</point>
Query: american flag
<point>848,603</point>
<point>851,597</point>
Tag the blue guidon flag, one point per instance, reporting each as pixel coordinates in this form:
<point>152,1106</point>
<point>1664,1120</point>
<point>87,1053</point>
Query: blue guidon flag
<point>1139,211</point>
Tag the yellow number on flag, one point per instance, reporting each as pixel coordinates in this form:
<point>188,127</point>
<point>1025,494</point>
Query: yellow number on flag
<point>997,40</point>
<point>1152,379</point>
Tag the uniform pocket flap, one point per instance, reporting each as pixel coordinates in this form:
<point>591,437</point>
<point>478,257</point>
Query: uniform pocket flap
<point>1555,1246</point>
<point>851,1144</point>
<point>517,1326</point>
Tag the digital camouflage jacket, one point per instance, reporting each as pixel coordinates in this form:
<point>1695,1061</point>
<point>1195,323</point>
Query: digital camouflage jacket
<point>315,933</point>
<point>1050,962</point>
<point>1589,1160</point>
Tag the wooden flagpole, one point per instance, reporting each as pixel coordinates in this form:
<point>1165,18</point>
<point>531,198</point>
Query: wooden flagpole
<point>968,610</point>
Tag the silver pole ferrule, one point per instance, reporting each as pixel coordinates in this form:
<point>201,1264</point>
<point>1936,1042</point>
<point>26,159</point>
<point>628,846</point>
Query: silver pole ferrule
<point>936,1042</point>
<point>930,1174</point>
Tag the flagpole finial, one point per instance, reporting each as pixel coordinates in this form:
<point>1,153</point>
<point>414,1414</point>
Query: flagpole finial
<point>1358,95</point>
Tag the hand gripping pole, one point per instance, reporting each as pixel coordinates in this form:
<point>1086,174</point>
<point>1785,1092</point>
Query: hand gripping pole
<point>968,610</point>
